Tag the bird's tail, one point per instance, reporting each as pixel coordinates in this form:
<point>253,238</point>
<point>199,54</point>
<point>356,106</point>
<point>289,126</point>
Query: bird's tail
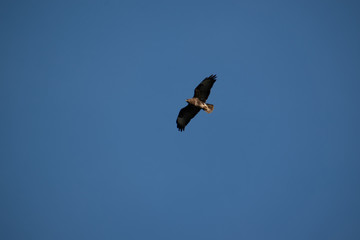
<point>209,108</point>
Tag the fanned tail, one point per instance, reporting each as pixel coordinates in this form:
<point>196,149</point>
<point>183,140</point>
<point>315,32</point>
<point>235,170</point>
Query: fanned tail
<point>209,108</point>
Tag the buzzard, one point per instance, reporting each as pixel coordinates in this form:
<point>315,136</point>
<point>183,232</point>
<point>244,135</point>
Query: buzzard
<point>201,93</point>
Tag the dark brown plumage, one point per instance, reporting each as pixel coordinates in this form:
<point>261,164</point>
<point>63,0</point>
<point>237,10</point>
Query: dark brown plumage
<point>195,104</point>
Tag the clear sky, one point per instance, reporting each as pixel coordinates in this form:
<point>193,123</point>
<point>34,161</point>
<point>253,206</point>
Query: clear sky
<point>89,95</point>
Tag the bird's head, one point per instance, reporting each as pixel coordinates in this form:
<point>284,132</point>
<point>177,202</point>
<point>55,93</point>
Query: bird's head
<point>190,100</point>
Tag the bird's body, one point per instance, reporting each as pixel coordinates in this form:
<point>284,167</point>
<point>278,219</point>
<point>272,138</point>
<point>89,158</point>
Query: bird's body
<point>198,102</point>
<point>207,107</point>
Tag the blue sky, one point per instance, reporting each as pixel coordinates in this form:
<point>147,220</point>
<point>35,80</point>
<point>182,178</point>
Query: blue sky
<point>89,95</point>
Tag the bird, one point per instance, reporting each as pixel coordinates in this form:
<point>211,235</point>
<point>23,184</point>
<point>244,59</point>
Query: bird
<point>198,102</point>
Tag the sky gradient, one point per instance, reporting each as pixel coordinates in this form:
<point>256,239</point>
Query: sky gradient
<point>89,95</point>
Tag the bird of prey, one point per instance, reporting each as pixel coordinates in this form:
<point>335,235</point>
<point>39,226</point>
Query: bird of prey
<point>201,93</point>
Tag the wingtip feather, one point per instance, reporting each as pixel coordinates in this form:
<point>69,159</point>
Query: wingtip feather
<point>213,76</point>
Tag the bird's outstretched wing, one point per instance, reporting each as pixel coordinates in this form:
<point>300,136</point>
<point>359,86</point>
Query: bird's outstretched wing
<point>202,91</point>
<point>185,115</point>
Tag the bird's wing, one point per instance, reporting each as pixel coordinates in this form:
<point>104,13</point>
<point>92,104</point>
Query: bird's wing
<point>185,115</point>
<point>202,91</point>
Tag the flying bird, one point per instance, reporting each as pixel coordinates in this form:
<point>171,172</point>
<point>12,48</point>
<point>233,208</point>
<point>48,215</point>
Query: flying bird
<point>195,104</point>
